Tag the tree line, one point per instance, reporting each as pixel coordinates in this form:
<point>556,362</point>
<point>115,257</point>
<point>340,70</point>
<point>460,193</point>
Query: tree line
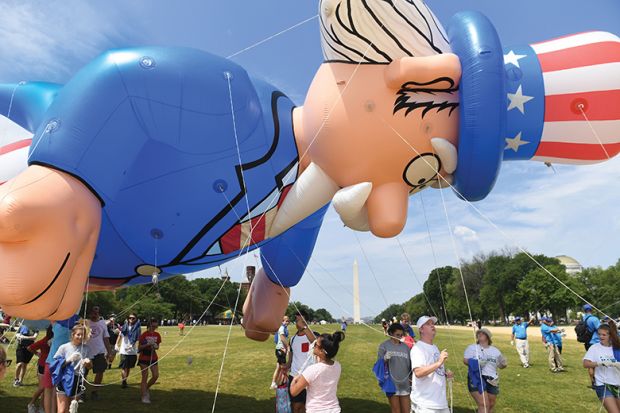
<point>505,283</point>
<point>178,298</point>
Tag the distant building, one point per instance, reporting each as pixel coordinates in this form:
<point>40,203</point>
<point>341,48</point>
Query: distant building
<point>572,265</point>
<point>250,272</point>
<point>225,276</point>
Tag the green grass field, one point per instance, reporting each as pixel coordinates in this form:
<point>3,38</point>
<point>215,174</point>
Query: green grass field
<point>185,387</point>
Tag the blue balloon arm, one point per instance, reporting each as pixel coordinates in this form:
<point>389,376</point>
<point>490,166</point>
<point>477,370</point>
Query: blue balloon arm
<point>285,258</point>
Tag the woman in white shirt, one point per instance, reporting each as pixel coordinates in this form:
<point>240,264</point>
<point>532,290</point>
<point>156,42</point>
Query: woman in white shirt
<point>321,379</point>
<point>604,358</point>
<point>489,360</point>
<point>75,354</point>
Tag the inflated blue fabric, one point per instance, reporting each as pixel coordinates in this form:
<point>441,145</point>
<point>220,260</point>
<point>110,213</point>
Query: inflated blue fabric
<point>25,103</point>
<point>292,250</point>
<point>482,95</point>
<point>150,131</point>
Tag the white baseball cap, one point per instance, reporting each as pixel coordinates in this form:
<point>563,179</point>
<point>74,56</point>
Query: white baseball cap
<point>425,319</point>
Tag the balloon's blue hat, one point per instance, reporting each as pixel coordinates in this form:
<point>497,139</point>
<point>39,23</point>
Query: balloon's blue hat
<point>509,95</point>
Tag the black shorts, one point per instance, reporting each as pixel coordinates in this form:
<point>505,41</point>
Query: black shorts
<point>128,361</point>
<point>300,398</point>
<point>489,388</point>
<point>281,356</point>
<point>40,369</point>
<point>75,389</point>
<point>23,355</point>
<point>100,364</point>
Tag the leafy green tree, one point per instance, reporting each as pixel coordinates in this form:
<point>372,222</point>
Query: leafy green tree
<point>435,291</point>
<point>106,300</point>
<point>500,281</point>
<point>417,306</point>
<point>323,314</point>
<point>207,290</point>
<point>601,287</point>
<point>473,275</point>
<point>543,293</point>
<point>291,311</point>
<point>394,310</point>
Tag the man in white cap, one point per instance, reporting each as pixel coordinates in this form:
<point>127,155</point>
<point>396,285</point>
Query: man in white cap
<point>428,393</point>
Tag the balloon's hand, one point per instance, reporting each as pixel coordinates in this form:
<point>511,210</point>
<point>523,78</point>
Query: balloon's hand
<point>264,307</point>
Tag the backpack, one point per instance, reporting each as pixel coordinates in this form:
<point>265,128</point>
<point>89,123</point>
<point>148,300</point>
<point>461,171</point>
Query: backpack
<point>584,335</point>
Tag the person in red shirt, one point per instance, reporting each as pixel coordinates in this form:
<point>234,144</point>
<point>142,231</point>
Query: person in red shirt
<point>41,349</point>
<point>149,343</point>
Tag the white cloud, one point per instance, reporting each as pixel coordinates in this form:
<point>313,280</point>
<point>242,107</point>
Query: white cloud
<point>50,40</point>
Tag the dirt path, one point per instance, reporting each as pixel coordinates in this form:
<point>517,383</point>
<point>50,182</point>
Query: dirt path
<point>533,331</point>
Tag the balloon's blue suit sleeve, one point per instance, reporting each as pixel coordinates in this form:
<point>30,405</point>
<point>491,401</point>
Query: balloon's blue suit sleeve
<point>285,257</point>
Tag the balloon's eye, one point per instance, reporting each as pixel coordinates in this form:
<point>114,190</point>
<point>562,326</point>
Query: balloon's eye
<point>421,170</point>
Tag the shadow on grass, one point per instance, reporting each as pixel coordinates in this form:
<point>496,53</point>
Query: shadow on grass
<point>164,401</point>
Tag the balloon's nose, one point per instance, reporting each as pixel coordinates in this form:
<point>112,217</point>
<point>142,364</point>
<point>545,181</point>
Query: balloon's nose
<point>387,209</point>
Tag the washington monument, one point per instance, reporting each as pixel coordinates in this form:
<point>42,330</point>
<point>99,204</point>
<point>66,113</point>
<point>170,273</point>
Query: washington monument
<point>356,294</point>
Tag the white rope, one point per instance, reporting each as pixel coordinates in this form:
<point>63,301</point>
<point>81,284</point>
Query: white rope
<point>486,218</point>
<point>273,36</point>
<point>247,242</point>
<point>580,107</point>
<point>177,343</point>
<point>374,276</point>
<point>335,279</point>
<point>232,321</point>
<point>443,301</point>
<point>415,276</point>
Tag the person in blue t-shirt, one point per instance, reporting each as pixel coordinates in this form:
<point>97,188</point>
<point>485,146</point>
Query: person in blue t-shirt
<point>519,337</point>
<point>548,337</point>
<point>593,323</point>
<point>557,337</point>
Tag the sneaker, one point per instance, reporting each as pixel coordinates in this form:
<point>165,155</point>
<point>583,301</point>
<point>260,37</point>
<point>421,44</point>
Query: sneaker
<point>32,408</point>
<point>146,399</point>
<point>17,383</point>
<point>273,385</point>
<point>124,384</point>
<point>527,366</point>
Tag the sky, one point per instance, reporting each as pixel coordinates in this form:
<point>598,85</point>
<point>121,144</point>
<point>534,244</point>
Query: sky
<point>565,210</point>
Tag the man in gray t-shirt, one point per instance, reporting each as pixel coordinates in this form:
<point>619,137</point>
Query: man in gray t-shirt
<point>397,356</point>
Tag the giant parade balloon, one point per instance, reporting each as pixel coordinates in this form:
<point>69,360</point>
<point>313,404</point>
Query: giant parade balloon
<point>156,161</point>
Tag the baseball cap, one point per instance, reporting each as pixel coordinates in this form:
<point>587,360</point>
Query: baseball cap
<point>517,318</point>
<point>424,319</point>
<point>587,307</point>
<point>545,318</point>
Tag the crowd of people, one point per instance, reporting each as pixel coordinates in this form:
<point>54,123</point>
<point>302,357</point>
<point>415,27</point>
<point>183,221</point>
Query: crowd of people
<point>413,374</point>
<point>72,349</point>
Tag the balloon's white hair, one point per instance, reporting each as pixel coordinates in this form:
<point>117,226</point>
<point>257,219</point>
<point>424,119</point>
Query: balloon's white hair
<point>379,31</point>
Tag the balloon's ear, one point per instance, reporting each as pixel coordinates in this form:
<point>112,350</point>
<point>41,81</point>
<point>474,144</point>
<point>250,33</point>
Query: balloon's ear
<point>423,70</point>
